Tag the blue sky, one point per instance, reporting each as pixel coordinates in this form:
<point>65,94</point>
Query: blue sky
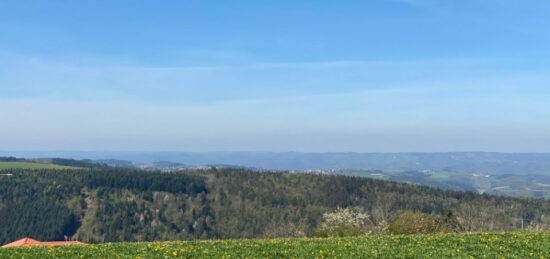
<point>378,75</point>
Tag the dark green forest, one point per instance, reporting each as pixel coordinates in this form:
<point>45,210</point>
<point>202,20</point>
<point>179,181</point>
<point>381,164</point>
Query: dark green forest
<point>114,204</point>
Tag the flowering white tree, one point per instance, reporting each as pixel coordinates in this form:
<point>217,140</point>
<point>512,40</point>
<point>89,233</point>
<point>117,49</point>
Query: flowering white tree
<point>352,221</point>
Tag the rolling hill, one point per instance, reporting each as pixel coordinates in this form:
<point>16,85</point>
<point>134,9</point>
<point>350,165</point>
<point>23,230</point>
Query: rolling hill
<point>32,165</point>
<point>108,204</point>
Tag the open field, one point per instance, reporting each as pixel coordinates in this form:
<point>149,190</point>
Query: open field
<point>505,245</point>
<point>31,165</point>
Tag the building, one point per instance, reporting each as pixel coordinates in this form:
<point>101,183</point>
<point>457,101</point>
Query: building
<point>31,242</point>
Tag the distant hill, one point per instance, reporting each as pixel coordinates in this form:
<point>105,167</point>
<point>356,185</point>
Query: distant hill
<point>18,163</point>
<point>530,185</point>
<point>470,162</point>
<point>115,162</point>
<point>59,163</point>
<point>31,165</point>
<point>526,175</point>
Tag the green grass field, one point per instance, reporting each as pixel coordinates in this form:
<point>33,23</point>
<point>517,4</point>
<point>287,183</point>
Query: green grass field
<point>507,245</point>
<point>31,165</point>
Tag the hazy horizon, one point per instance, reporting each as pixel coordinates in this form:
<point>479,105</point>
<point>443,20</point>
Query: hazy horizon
<point>311,76</point>
<point>6,152</point>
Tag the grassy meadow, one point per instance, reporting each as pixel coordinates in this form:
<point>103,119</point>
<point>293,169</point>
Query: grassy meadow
<point>31,165</point>
<point>479,245</point>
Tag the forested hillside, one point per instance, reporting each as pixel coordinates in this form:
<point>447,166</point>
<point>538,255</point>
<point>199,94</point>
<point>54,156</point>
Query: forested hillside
<point>110,204</point>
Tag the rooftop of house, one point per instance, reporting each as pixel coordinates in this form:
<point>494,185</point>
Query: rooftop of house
<point>31,242</point>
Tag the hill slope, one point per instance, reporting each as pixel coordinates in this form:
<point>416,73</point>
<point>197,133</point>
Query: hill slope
<point>31,165</point>
<point>109,204</point>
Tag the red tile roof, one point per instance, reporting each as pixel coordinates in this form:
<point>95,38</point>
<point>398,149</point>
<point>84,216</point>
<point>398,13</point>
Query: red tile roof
<point>31,242</point>
<point>23,242</point>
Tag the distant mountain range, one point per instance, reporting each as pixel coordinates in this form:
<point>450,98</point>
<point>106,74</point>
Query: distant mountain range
<point>471,162</point>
